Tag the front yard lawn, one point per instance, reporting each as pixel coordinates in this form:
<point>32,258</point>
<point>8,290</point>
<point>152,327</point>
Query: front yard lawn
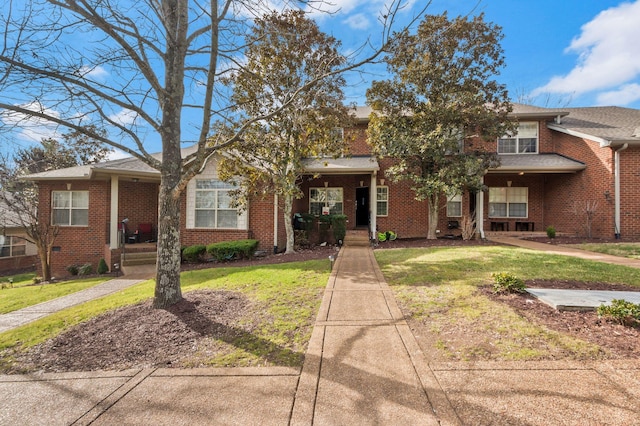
<point>631,250</point>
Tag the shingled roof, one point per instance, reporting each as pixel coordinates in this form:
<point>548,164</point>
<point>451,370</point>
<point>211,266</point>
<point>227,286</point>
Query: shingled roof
<point>609,125</point>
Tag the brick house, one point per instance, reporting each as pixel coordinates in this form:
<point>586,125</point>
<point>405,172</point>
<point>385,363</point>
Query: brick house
<point>561,164</point>
<point>16,253</point>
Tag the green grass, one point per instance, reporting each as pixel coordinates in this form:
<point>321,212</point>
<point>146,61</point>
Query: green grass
<point>19,280</point>
<point>631,250</point>
<point>439,287</point>
<point>24,293</point>
<point>287,296</point>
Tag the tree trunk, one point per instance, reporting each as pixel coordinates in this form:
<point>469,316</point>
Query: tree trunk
<point>45,264</point>
<point>168,291</point>
<point>288,224</point>
<point>432,205</point>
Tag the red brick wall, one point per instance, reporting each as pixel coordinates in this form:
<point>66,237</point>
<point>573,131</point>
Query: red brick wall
<point>629,193</point>
<point>536,190</point>
<point>10,264</point>
<point>357,137</point>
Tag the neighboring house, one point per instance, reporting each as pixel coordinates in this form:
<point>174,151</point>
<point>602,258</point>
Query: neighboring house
<point>16,253</point>
<point>561,163</point>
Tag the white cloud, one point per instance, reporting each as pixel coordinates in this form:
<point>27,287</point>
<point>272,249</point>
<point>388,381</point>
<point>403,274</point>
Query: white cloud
<point>608,53</point>
<point>125,117</point>
<point>358,21</point>
<point>116,154</point>
<point>30,128</point>
<point>95,73</point>
<point>625,95</point>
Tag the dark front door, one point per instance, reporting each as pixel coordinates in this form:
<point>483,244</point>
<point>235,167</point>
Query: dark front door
<point>362,207</point>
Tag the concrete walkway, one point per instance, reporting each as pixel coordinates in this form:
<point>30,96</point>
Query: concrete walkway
<point>363,367</point>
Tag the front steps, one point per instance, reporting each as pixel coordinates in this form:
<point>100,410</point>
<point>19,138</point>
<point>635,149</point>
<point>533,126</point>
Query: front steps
<point>138,258</point>
<point>357,237</point>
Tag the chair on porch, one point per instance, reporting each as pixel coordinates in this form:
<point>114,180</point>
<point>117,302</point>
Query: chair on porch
<point>144,232</point>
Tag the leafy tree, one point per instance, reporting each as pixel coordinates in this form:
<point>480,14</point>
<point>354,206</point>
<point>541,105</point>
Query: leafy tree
<point>442,95</point>
<point>20,197</point>
<point>287,54</point>
<point>142,69</point>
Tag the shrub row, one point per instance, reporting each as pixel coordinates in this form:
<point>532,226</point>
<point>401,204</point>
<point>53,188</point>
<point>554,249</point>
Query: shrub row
<point>226,250</point>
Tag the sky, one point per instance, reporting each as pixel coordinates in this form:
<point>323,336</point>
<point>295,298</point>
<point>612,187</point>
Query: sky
<point>558,54</point>
<point>565,53</point>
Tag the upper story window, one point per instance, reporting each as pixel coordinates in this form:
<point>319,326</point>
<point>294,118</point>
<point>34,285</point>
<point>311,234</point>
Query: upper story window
<point>213,205</point>
<point>12,246</point>
<point>525,141</point>
<point>323,200</point>
<point>382,201</point>
<point>70,208</point>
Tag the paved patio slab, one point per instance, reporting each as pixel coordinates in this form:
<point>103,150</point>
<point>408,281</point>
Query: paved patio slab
<point>586,300</point>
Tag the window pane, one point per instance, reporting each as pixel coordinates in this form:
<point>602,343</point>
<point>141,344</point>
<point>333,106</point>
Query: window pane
<point>316,195</point>
<point>382,193</point>
<point>18,250</point>
<point>61,217</point>
<point>335,208</point>
<point>227,219</point>
<point>497,195</point>
<point>517,210</point>
<point>382,208</point>
<point>507,146</point>
<point>454,208</point>
<point>80,199</point>
<point>61,199</point>
<point>497,210</point>
<point>205,219</point>
<point>528,145</point>
<point>528,130</point>
<point>205,199</point>
<point>315,208</point>
<point>5,251</point>
<point>334,194</point>
<point>224,200</point>
<point>518,195</point>
<point>80,217</point>
<point>212,184</point>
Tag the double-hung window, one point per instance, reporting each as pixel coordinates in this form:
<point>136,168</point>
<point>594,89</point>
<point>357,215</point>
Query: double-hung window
<point>454,206</point>
<point>382,200</point>
<point>70,208</point>
<point>12,246</point>
<point>508,202</point>
<point>325,199</point>
<point>213,205</point>
<point>525,141</point>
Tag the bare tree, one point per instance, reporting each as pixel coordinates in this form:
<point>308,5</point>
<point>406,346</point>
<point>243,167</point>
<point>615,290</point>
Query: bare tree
<point>164,60</point>
<point>585,212</point>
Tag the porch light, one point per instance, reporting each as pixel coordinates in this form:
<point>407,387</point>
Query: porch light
<point>381,181</point>
<point>361,183</point>
<point>521,173</point>
<point>326,184</point>
<point>69,187</point>
<point>509,183</point>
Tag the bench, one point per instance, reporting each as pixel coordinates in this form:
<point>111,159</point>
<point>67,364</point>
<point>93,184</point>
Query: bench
<point>499,226</point>
<point>525,226</point>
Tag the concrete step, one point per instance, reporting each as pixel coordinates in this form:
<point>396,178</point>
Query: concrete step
<point>357,238</point>
<point>138,258</point>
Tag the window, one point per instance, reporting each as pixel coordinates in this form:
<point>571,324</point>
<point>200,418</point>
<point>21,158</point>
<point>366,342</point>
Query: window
<point>12,246</point>
<point>524,141</point>
<point>213,205</point>
<point>454,206</point>
<point>508,202</point>
<point>382,200</point>
<point>70,208</point>
<point>331,198</point>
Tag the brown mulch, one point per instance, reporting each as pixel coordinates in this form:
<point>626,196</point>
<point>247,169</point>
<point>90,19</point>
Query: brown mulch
<point>187,334</point>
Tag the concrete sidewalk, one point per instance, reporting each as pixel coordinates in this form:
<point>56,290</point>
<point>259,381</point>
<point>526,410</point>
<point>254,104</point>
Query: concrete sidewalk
<point>363,367</point>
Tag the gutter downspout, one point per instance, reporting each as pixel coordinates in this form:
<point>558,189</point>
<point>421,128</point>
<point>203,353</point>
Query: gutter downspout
<point>275,223</point>
<point>617,189</point>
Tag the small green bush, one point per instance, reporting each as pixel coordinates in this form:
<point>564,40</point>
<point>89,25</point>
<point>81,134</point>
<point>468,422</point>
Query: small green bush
<point>85,269</point>
<point>102,267</point>
<point>229,250</point>
<point>72,269</point>
<point>194,253</point>
<point>551,231</point>
<point>506,282</point>
<point>621,311</point>
<point>339,224</point>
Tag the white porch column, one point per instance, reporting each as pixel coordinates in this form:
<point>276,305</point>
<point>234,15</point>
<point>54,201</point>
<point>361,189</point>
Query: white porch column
<point>113,215</point>
<point>480,212</point>
<point>373,206</point>
<point>275,223</point>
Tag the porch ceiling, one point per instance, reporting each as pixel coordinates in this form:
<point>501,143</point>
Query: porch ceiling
<point>338,166</point>
<point>537,163</point>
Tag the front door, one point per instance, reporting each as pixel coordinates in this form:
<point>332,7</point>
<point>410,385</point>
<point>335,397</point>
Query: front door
<point>362,207</point>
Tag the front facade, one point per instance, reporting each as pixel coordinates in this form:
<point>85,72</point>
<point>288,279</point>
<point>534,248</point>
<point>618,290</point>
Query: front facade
<point>16,253</point>
<point>575,169</point>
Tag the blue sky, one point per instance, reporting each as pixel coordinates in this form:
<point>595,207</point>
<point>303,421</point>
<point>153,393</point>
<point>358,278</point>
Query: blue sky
<point>559,53</point>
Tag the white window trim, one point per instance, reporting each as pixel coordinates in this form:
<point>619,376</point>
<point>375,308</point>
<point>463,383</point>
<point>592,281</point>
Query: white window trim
<point>210,173</point>
<point>457,198</point>
<point>240,222</point>
<point>386,201</point>
<point>517,139</point>
<point>526,216</point>
<point>9,241</point>
<point>70,209</point>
